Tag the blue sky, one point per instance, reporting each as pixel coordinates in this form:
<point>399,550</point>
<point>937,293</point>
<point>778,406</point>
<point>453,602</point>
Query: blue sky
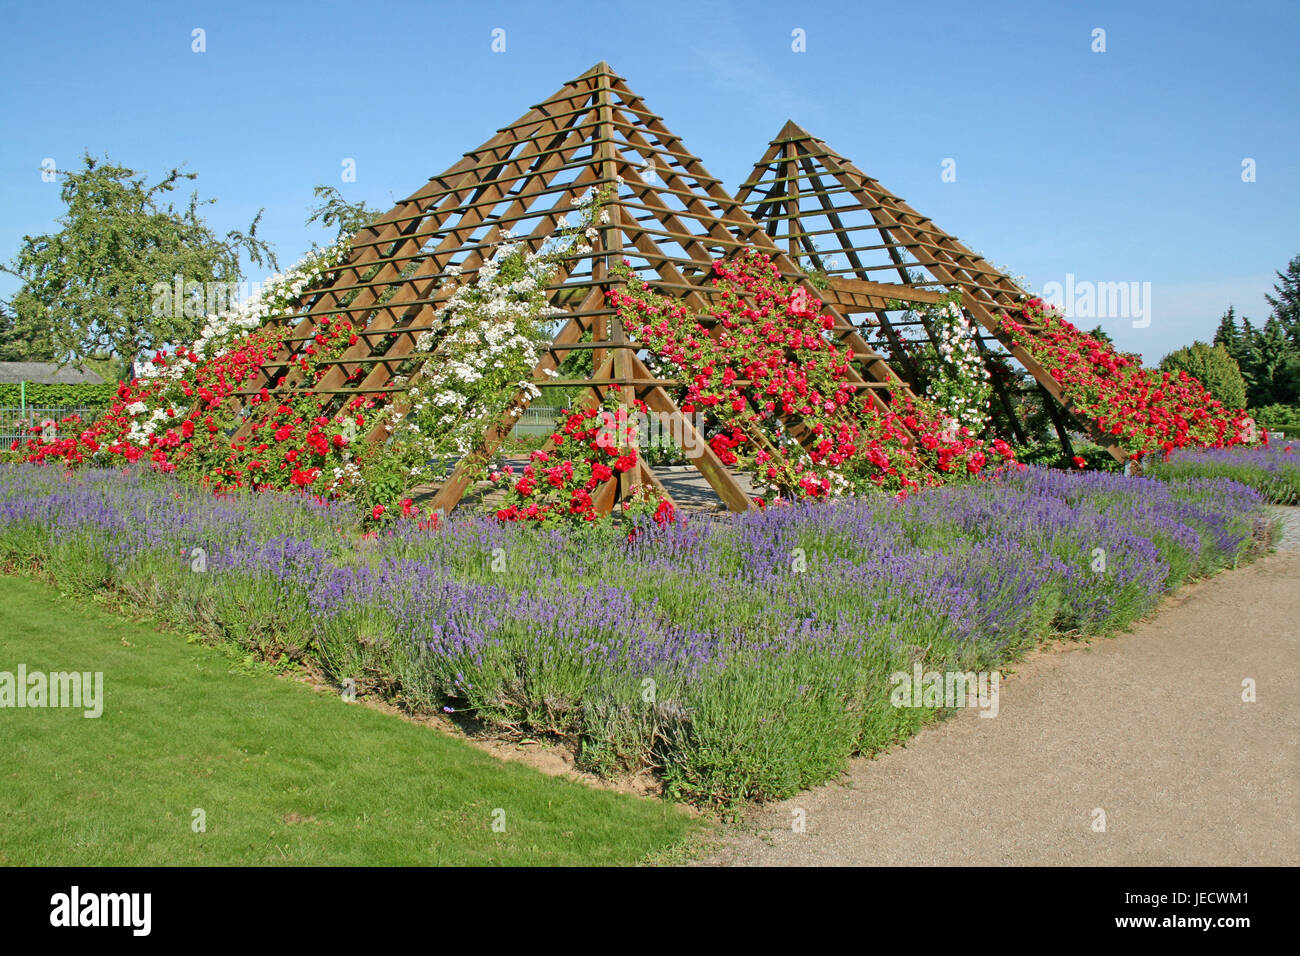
<point>1117,166</point>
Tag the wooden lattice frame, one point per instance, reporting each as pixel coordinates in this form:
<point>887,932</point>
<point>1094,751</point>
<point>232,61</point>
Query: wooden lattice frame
<point>822,207</point>
<point>592,133</point>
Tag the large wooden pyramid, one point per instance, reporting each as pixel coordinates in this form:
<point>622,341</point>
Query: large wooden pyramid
<point>826,212</point>
<point>666,215</point>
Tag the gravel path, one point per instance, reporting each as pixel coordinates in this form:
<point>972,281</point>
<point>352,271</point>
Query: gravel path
<point>1290,527</point>
<point>1149,727</point>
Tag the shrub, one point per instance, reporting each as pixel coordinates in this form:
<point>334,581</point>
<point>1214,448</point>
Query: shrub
<point>1213,367</point>
<point>77,395</point>
<point>1142,411</point>
<point>1284,418</point>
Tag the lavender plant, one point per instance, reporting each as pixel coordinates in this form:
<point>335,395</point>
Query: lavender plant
<point>741,659</point>
<point>1273,470</point>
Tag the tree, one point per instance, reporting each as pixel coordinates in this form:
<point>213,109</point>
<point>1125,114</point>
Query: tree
<point>20,341</point>
<point>1214,367</point>
<point>1269,358</point>
<point>1273,374</point>
<point>1229,335</point>
<point>103,284</point>
<point>334,210</point>
<point>1286,304</point>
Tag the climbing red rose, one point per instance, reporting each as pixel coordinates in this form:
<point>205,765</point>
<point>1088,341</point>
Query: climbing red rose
<point>1142,410</point>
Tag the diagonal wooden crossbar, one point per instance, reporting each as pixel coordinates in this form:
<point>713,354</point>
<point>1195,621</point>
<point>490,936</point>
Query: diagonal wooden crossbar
<point>848,226</point>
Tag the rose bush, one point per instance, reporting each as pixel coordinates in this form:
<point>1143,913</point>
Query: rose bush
<point>956,377</point>
<point>1142,411</point>
<point>590,449</point>
<point>781,397</point>
<point>198,410</point>
<point>778,394</point>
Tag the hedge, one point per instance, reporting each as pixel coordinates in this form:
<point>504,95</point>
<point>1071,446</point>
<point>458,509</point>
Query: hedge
<point>1273,415</point>
<point>80,395</point>
<point>1278,418</point>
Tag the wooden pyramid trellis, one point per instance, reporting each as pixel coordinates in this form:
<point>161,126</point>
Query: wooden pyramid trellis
<point>824,209</point>
<point>666,215</point>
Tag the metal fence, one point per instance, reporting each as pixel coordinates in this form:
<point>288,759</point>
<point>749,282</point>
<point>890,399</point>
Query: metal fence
<point>536,420</point>
<point>16,423</point>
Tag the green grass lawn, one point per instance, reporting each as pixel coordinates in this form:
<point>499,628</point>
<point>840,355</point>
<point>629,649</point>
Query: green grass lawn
<point>284,775</point>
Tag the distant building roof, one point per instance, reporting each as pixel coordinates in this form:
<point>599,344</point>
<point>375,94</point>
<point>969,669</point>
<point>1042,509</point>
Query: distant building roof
<point>47,373</point>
